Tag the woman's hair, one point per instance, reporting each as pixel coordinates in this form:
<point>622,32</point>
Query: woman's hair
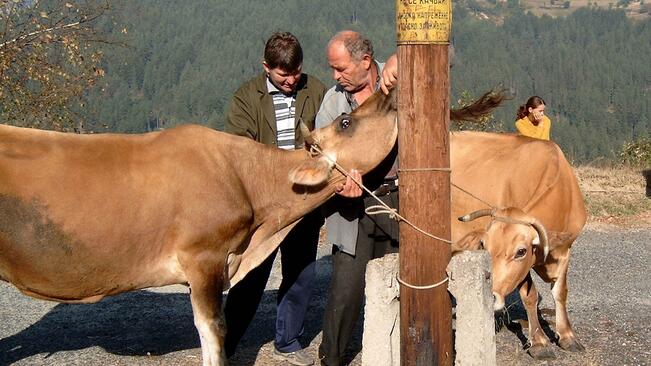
<point>283,51</point>
<point>532,102</point>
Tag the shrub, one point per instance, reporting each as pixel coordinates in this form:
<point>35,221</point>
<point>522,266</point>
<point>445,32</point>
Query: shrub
<point>636,154</point>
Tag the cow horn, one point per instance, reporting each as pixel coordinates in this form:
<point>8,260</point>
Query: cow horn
<point>307,135</point>
<point>473,215</point>
<point>542,234</point>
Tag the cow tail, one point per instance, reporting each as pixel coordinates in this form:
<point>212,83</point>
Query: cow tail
<point>480,107</point>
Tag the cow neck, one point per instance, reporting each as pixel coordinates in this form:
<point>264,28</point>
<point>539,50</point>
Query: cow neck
<point>274,198</point>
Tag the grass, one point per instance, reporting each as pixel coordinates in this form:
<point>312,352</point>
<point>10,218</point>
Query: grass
<point>614,193</point>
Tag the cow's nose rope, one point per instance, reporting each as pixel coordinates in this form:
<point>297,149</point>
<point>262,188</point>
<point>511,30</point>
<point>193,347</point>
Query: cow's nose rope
<point>393,213</point>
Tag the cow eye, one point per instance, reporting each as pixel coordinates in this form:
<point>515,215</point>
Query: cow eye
<point>521,253</point>
<point>345,123</point>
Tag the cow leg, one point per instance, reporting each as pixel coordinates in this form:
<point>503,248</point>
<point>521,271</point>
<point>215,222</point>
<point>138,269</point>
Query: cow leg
<point>540,345</point>
<point>206,279</point>
<point>567,340</point>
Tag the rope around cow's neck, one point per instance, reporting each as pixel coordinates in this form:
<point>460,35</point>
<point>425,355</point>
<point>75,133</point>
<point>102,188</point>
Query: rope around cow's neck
<point>382,207</point>
<point>451,183</point>
<point>472,195</point>
<point>393,213</point>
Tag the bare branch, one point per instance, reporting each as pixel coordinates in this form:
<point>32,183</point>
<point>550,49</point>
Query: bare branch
<point>39,32</point>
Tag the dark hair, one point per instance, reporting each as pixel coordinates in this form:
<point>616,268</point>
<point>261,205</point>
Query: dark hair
<point>532,102</point>
<point>283,51</point>
<point>356,44</point>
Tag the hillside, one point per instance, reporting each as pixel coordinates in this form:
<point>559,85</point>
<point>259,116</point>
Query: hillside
<point>170,62</point>
<point>495,9</point>
<point>636,10</point>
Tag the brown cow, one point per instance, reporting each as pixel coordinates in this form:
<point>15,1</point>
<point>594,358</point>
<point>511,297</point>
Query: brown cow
<point>527,211</point>
<point>86,216</point>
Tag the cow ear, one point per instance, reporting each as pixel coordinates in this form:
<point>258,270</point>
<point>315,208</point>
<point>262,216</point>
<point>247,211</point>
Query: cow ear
<point>474,240</point>
<point>559,238</point>
<point>311,172</point>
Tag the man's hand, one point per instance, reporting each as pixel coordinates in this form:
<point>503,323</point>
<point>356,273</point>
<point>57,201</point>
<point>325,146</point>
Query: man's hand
<point>389,76</point>
<point>350,189</point>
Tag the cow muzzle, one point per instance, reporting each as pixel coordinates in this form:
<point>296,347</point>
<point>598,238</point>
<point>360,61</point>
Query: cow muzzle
<point>498,303</point>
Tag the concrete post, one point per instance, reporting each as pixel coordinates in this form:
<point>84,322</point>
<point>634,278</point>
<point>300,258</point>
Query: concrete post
<point>470,283</point>
<point>381,339</point>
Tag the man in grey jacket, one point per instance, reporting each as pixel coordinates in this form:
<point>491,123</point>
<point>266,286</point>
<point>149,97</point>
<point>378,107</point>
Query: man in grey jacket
<point>356,237</point>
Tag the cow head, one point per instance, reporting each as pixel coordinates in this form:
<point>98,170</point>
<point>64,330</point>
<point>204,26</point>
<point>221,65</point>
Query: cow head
<point>359,140</point>
<point>514,240</point>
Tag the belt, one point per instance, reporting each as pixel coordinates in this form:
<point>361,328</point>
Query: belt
<point>386,188</point>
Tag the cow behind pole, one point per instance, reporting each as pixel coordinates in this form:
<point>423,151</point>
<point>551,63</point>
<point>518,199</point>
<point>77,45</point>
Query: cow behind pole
<point>423,29</point>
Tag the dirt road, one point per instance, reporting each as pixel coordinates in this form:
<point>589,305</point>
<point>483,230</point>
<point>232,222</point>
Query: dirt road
<point>609,302</point>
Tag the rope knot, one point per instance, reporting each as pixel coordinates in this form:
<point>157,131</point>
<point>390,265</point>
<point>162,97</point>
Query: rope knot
<point>379,209</point>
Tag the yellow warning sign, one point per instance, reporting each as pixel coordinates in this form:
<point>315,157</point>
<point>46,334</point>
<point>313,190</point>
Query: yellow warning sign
<point>424,21</point>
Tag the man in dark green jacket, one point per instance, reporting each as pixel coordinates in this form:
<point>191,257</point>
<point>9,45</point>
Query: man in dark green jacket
<point>252,110</point>
<point>267,109</point>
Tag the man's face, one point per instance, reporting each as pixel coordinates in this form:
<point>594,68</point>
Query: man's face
<point>350,74</point>
<point>285,81</point>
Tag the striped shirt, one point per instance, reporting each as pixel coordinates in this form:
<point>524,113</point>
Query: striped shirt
<point>285,109</point>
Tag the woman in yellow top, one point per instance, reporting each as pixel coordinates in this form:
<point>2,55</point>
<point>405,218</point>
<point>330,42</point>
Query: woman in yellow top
<point>532,121</point>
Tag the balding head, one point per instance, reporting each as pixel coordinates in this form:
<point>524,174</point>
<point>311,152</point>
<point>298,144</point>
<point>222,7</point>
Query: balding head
<point>357,45</point>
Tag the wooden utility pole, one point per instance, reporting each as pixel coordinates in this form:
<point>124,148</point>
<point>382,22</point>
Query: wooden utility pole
<point>423,28</point>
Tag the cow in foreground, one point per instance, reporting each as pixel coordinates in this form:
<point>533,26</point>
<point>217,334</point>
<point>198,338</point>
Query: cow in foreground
<point>518,198</point>
<point>87,216</point>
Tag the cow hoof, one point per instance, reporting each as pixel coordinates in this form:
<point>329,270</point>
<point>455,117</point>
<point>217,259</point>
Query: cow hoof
<point>541,352</point>
<point>571,344</point>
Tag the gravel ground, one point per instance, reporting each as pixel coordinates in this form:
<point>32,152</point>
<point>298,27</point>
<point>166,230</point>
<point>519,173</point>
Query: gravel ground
<point>609,304</point>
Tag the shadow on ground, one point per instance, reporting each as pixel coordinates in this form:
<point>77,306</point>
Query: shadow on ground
<point>514,319</point>
<point>145,323</point>
<point>135,323</point>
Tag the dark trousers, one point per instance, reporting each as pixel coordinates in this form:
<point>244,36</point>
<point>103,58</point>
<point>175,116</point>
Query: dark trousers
<point>298,255</point>
<point>377,236</point>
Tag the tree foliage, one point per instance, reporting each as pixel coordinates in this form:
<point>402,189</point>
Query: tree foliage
<point>47,60</point>
<point>185,59</point>
<point>590,67</point>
